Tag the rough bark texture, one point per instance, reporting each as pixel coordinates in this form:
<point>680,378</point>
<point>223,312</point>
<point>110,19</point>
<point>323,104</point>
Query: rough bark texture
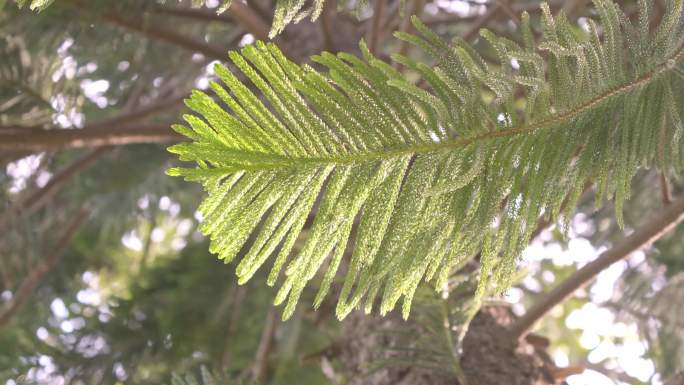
<point>490,356</point>
<point>374,344</point>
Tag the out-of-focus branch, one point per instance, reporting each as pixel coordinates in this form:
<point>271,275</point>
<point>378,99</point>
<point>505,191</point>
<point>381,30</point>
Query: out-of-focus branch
<point>261,364</point>
<point>376,31</point>
<point>249,19</point>
<point>327,20</point>
<point>407,27</point>
<point>194,13</point>
<point>648,233</point>
<point>59,139</point>
<point>481,21</point>
<point>665,194</point>
<point>37,274</point>
<point>146,111</point>
<point>166,35</point>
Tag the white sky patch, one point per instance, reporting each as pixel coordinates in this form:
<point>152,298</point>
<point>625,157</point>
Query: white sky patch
<point>58,308</point>
<point>583,22</point>
<point>94,90</point>
<point>144,202</point>
<point>43,178</point>
<point>87,69</point>
<point>589,377</point>
<point>178,244</point>
<point>66,326</point>
<point>89,296</point>
<point>67,69</point>
<point>603,289</point>
<point>247,39</point>
<point>158,234</point>
<point>462,8</point>
<point>618,345</point>
<point>132,241</point>
<point>164,203</point>
<point>560,358</point>
<point>202,83</point>
<point>183,228</point>
<point>42,334</point>
<point>21,170</point>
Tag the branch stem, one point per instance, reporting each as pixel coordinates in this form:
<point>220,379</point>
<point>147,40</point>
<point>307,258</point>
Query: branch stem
<point>41,269</point>
<point>648,233</point>
<point>59,139</point>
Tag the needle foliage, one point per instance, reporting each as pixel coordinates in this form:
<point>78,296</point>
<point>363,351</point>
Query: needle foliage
<point>408,181</point>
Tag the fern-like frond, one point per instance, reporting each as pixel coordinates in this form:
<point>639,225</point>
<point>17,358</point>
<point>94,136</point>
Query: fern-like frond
<point>416,181</point>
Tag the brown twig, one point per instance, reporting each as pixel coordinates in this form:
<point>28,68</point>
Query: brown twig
<point>41,269</point>
<point>666,196</point>
<point>261,365</point>
<point>375,31</point>
<point>58,139</point>
<point>326,22</point>
<point>651,231</point>
<point>166,35</point>
<point>482,21</point>
<point>406,25</point>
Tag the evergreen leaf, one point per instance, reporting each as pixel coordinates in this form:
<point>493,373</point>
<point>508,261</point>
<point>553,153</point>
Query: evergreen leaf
<point>413,180</point>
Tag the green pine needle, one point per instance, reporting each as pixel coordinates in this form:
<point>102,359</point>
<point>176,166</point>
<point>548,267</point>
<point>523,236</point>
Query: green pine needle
<point>417,181</point>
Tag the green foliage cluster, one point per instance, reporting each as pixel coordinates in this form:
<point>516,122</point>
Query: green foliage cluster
<point>419,180</point>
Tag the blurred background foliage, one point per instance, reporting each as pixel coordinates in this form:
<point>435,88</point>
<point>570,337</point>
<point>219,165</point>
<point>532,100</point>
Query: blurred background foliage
<point>133,297</point>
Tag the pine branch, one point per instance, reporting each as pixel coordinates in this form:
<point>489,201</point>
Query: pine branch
<point>38,273</point>
<point>433,175</point>
<point>649,232</point>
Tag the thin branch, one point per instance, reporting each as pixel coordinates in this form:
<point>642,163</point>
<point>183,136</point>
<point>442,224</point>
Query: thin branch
<point>59,139</point>
<point>482,21</point>
<point>651,231</point>
<point>194,13</point>
<point>327,25</point>
<point>234,304</point>
<point>666,196</point>
<point>406,25</point>
<point>37,274</point>
<point>376,32</point>
<point>40,197</point>
<point>261,364</point>
<point>250,20</point>
<point>145,112</point>
<point>166,35</point>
